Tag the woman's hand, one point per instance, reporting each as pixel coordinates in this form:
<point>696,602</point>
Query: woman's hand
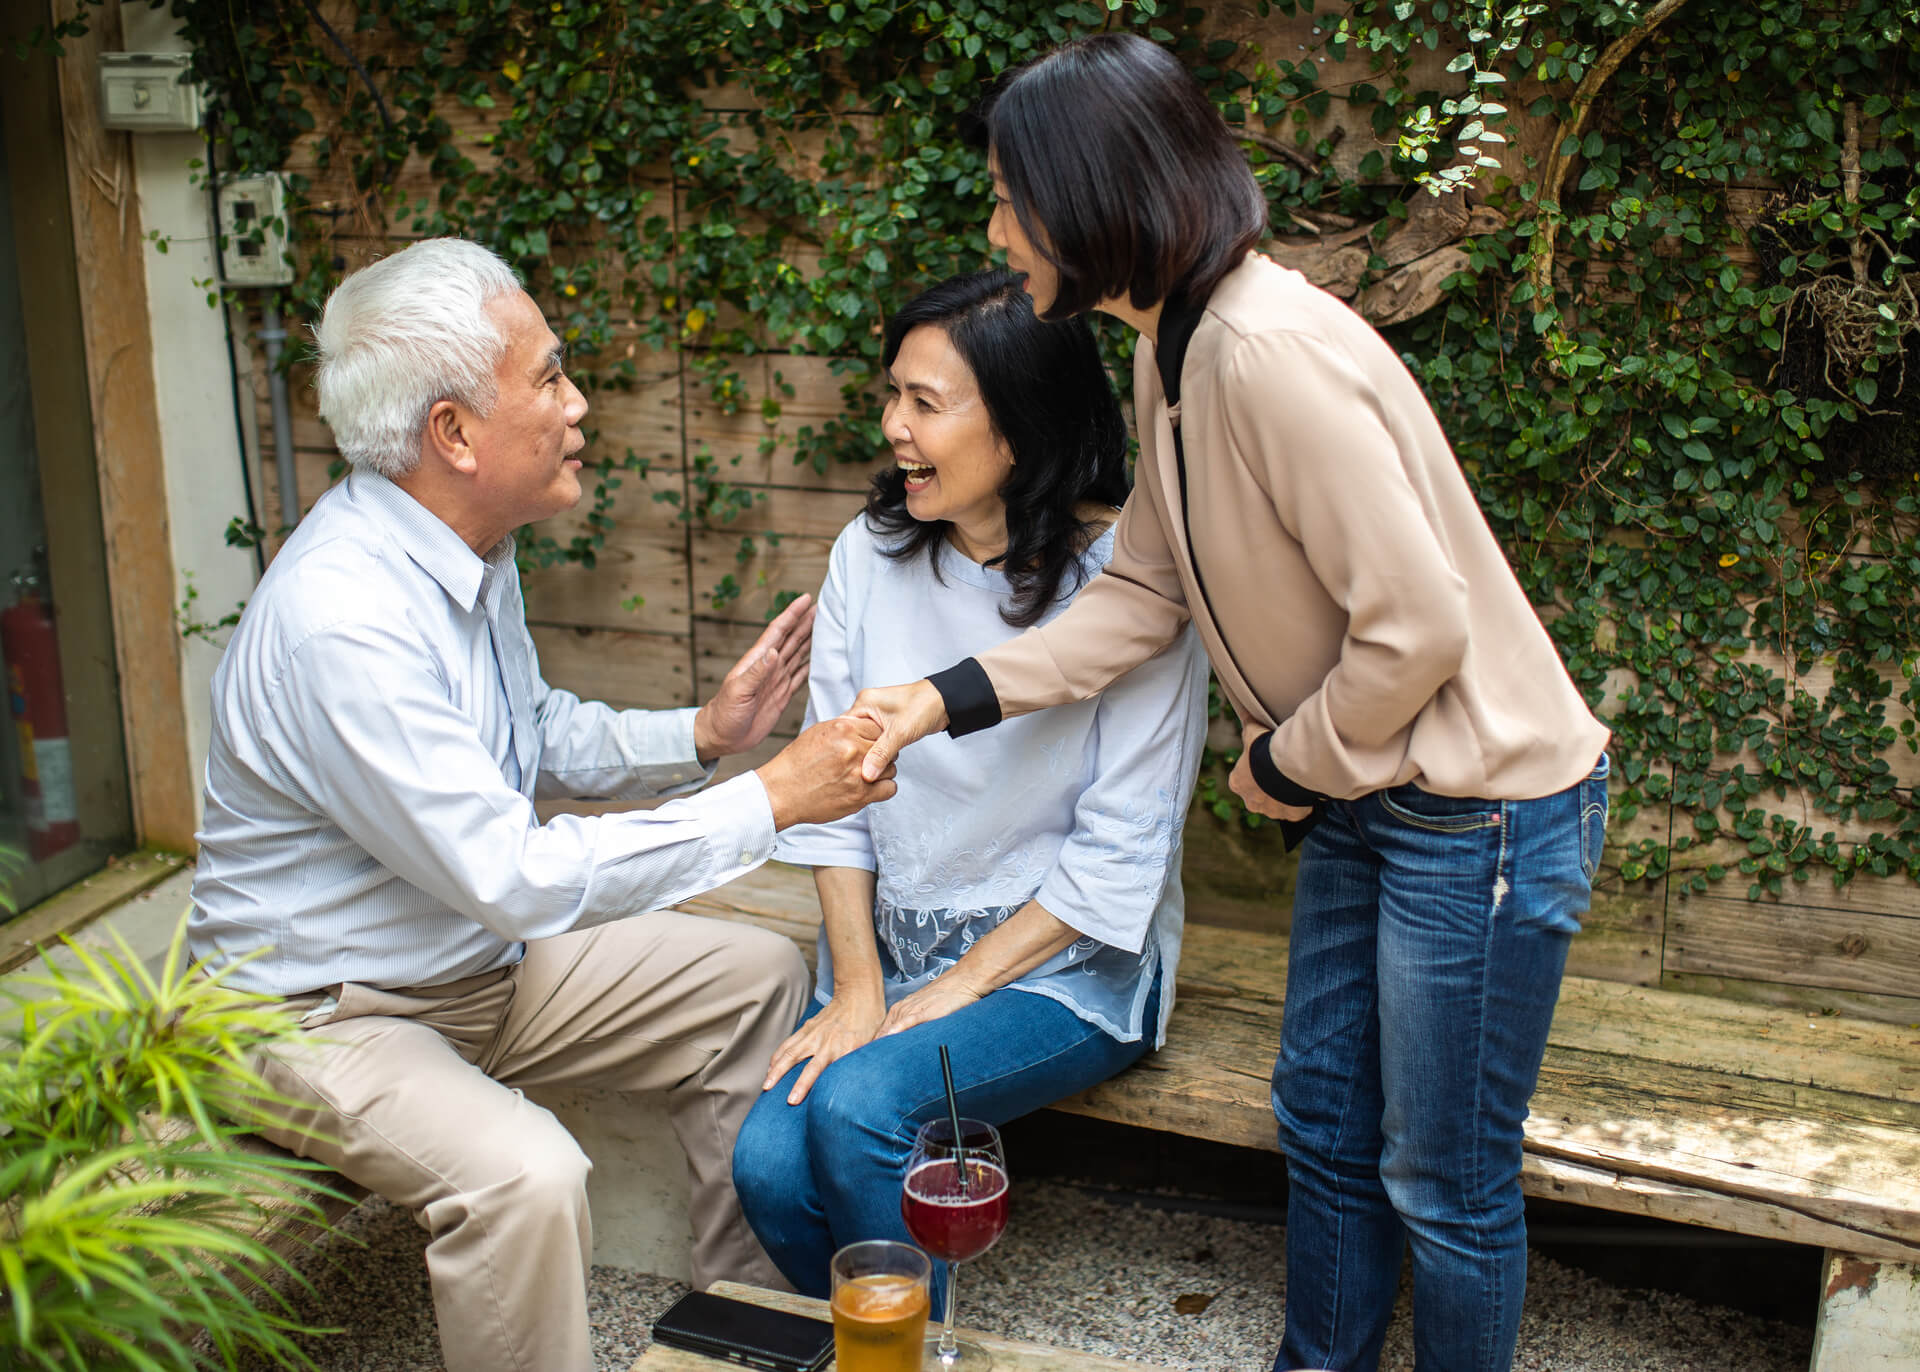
<point>1249,790</point>
<point>905,714</point>
<point>939,997</point>
<point>847,1022</point>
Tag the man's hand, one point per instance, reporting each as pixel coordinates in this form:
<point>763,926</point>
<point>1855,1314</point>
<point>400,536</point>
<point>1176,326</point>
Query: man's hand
<point>936,1000</point>
<point>817,778</point>
<point>902,714</point>
<point>1249,790</point>
<point>847,1022</point>
<point>754,695</point>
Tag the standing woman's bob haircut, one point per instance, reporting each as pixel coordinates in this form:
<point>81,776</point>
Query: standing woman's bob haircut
<point>1123,174</point>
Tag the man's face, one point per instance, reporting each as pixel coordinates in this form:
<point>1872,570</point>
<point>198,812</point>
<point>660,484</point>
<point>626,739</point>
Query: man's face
<point>527,447</point>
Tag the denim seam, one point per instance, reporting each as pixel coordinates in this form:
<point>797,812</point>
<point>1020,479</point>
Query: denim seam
<point>1503,888</point>
<point>1329,1280</point>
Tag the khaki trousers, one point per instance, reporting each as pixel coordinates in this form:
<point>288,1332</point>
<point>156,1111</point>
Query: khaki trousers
<point>416,1095</point>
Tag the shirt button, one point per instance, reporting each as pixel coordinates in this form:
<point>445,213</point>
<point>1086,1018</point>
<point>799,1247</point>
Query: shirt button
<point>746,856</point>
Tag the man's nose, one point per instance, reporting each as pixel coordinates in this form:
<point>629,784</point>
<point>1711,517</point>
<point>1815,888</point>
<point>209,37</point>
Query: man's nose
<point>576,407</point>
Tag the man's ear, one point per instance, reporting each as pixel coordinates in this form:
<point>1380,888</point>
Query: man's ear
<point>445,439</point>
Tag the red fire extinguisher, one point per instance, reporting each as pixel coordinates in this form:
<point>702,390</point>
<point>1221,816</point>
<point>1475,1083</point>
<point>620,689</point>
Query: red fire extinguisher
<point>39,708</point>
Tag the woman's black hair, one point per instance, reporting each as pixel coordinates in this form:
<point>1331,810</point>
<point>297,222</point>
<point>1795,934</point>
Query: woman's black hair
<point>1048,396</point>
<point>1123,174</point>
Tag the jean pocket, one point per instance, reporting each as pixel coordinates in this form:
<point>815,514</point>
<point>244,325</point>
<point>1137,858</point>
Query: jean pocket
<point>1593,819</point>
<point>1440,814</point>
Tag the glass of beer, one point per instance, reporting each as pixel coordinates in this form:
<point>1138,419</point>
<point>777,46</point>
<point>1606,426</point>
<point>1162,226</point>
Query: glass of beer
<point>879,1306</point>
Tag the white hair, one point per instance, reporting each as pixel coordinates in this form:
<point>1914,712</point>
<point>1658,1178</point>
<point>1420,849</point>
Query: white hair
<point>403,334</point>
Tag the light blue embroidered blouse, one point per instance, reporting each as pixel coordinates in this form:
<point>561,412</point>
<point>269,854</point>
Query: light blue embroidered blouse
<point>1080,806</point>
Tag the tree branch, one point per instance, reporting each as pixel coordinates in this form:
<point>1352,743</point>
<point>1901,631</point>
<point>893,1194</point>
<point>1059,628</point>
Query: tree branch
<point>1274,145</point>
<point>1547,206</point>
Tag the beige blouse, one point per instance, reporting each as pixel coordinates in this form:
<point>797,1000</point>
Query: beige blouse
<point>1356,601</point>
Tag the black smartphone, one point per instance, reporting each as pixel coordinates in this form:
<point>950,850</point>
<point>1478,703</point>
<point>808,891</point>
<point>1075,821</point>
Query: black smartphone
<point>751,1335</point>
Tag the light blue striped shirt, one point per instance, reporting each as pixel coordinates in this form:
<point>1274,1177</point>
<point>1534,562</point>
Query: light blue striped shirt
<point>380,731</point>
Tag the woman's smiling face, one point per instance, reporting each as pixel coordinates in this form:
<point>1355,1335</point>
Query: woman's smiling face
<point>943,439</point>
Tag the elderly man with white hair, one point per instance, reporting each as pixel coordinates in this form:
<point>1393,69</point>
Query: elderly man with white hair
<point>380,732</point>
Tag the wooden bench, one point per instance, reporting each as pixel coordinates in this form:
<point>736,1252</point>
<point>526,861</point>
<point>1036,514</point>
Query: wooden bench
<point>1742,1118</point>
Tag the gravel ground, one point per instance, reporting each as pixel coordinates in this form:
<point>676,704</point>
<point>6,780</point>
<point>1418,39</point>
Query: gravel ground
<point>1081,1271</point>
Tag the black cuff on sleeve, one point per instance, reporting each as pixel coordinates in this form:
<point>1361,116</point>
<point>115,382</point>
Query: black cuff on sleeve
<point>971,703</point>
<point>1272,780</point>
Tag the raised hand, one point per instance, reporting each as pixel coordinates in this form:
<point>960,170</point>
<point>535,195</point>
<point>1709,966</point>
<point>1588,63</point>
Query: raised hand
<point>817,777</point>
<point>755,693</point>
<point>902,715</point>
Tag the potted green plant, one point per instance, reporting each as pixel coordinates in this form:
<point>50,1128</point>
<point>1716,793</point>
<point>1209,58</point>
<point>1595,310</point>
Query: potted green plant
<point>132,1229</point>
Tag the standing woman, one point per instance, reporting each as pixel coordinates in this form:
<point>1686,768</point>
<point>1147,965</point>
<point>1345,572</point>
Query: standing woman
<point>1401,702</point>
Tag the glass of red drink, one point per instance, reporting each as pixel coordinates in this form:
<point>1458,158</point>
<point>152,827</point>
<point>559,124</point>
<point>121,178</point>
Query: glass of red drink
<point>954,1202</point>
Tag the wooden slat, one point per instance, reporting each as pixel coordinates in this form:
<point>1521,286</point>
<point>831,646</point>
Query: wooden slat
<point>817,397</point>
<point>643,416</point>
<point>1815,1001</point>
<point>812,513</point>
<point>626,670</point>
<point>1803,945</point>
<point>798,563</point>
<point>330,189</point>
<point>119,339</point>
<point>639,576</point>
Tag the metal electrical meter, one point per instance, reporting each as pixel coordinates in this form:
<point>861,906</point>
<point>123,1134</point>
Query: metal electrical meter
<point>253,231</point>
<point>148,92</point>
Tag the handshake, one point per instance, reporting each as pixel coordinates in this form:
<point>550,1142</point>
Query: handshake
<point>849,760</point>
<point>818,777</point>
<point>839,765</point>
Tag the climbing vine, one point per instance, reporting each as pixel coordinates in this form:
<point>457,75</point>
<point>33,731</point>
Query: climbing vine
<point>1672,336</point>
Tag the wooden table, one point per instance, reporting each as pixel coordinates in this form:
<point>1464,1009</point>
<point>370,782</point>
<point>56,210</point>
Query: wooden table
<point>1009,1355</point>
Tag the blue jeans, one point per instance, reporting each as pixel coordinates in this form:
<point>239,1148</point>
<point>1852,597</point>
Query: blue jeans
<point>1429,935</point>
<point>827,1172</point>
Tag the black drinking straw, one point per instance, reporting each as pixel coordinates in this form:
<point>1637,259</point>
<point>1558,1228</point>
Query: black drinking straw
<point>953,1116</point>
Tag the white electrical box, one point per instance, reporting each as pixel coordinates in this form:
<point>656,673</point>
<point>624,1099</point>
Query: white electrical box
<point>148,92</point>
<point>253,231</point>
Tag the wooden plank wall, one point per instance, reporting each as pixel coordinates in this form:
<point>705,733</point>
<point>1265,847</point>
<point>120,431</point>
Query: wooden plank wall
<point>1855,949</point>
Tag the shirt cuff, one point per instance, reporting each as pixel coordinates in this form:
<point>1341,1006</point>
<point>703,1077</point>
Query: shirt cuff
<point>969,696</point>
<point>679,769</point>
<point>1269,778</point>
<point>740,818</point>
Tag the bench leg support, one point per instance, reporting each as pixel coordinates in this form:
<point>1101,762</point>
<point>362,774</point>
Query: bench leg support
<point>1869,1315</point>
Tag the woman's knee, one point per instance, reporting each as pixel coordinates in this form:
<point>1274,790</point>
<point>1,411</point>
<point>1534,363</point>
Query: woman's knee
<point>771,1150</point>
<point>854,1100</point>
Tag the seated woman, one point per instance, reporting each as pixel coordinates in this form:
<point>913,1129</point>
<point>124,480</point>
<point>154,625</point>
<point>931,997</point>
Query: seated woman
<point>1019,903</point>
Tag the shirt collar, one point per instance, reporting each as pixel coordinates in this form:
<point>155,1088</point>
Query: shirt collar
<point>431,542</point>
